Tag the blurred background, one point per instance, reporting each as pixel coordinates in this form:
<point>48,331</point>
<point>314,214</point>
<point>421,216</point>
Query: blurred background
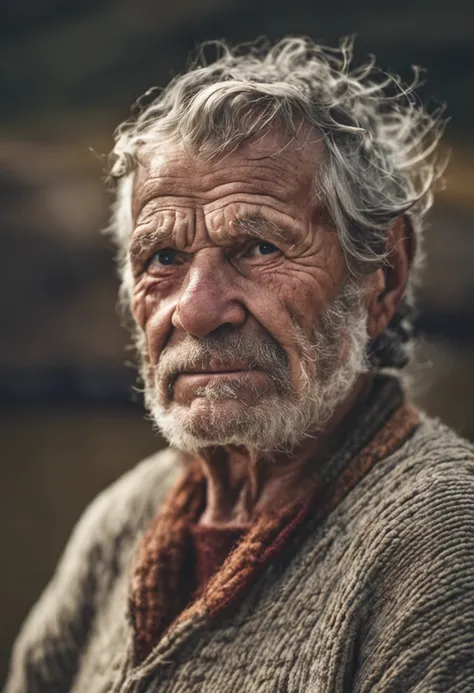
<point>68,73</point>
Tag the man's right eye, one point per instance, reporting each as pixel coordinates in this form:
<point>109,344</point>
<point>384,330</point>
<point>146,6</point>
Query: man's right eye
<point>163,258</point>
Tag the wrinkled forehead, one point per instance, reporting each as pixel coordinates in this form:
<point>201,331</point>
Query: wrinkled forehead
<point>277,161</point>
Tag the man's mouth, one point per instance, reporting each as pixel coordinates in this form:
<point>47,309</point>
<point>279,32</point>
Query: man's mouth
<point>229,372</point>
<point>217,368</point>
<point>201,377</point>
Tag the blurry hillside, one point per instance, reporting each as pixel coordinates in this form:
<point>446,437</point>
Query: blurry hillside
<point>68,73</point>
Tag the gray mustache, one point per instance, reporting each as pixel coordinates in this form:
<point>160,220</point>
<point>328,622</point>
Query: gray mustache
<point>260,352</point>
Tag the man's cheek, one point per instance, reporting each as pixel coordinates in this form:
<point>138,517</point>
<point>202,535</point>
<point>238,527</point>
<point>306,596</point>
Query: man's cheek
<point>146,300</point>
<point>138,306</point>
<point>158,330</point>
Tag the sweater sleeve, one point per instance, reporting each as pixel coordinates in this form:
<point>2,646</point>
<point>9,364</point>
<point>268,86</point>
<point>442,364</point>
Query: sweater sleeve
<point>46,655</point>
<point>46,652</point>
<point>421,636</point>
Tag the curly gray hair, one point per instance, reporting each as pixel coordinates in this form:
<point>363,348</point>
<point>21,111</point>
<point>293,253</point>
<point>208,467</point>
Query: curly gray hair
<point>381,164</point>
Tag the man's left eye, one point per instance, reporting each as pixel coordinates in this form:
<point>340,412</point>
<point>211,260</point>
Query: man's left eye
<point>163,258</point>
<point>261,249</point>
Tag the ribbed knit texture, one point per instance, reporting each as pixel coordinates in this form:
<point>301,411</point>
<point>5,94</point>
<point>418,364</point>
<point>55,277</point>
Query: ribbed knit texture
<point>374,595</point>
<point>211,546</point>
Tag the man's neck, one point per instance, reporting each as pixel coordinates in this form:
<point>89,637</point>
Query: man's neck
<point>243,484</point>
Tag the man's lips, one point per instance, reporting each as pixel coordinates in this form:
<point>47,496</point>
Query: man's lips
<point>216,368</point>
<point>199,378</point>
<point>218,372</point>
<point>198,375</point>
<point>201,375</point>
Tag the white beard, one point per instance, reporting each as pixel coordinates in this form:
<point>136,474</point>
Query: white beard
<point>275,421</point>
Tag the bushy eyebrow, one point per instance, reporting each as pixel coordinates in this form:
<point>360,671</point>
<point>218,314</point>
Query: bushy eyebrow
<point>256,225</point>
<point>144,241</point>
<point>253,226</point>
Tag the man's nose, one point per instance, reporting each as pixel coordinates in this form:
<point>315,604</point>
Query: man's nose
<point>208,299</point>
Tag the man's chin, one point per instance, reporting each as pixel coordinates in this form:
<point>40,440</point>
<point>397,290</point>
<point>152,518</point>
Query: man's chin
<point>209,422</point>
<point>195,390</point>
<point>207,417</point>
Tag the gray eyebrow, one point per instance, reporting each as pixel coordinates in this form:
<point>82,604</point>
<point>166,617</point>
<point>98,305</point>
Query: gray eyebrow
<point>253,225</point>
<point>142,242</point>
<point>257,225</point>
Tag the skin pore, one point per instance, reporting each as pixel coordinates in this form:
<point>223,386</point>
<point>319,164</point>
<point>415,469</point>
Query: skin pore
<point>239,244</point>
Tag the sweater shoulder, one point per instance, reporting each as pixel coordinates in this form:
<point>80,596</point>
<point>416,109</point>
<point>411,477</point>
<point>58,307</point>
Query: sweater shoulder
<point>420,498</point>
<point>135,496</point>
<point>434,458</point>
<point>417,540</point>
<point>97,553</point>
<point>436,443</point>
<point>122,510</point>
<point>412,495</point>
<point>110,525</point>
<point>435,479</point>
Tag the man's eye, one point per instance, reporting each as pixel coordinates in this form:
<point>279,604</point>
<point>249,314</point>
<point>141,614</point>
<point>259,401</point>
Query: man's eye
<point>163,258</point>
<point>261,249</point>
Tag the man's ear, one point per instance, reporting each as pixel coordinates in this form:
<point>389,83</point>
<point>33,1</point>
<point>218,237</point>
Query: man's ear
<point>387,285</point>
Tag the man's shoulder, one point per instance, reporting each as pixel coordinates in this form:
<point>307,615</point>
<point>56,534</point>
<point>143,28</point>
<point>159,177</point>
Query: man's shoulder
<point>148,480</point>
<point>425,482</point>
<point>434,452</point>
<point>439,475</point>
<point>413,546</point>
<point>128,504</point>
<point>420,489</point>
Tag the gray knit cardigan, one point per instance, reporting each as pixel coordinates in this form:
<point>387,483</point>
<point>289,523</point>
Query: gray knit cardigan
<point>378,598</point>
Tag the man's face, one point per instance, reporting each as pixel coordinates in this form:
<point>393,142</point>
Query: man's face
<point>235,272</point>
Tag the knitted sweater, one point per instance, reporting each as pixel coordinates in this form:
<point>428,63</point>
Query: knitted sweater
<point>371,593</point>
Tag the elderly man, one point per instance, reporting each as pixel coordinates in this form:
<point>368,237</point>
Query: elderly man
<point>308,529</point>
